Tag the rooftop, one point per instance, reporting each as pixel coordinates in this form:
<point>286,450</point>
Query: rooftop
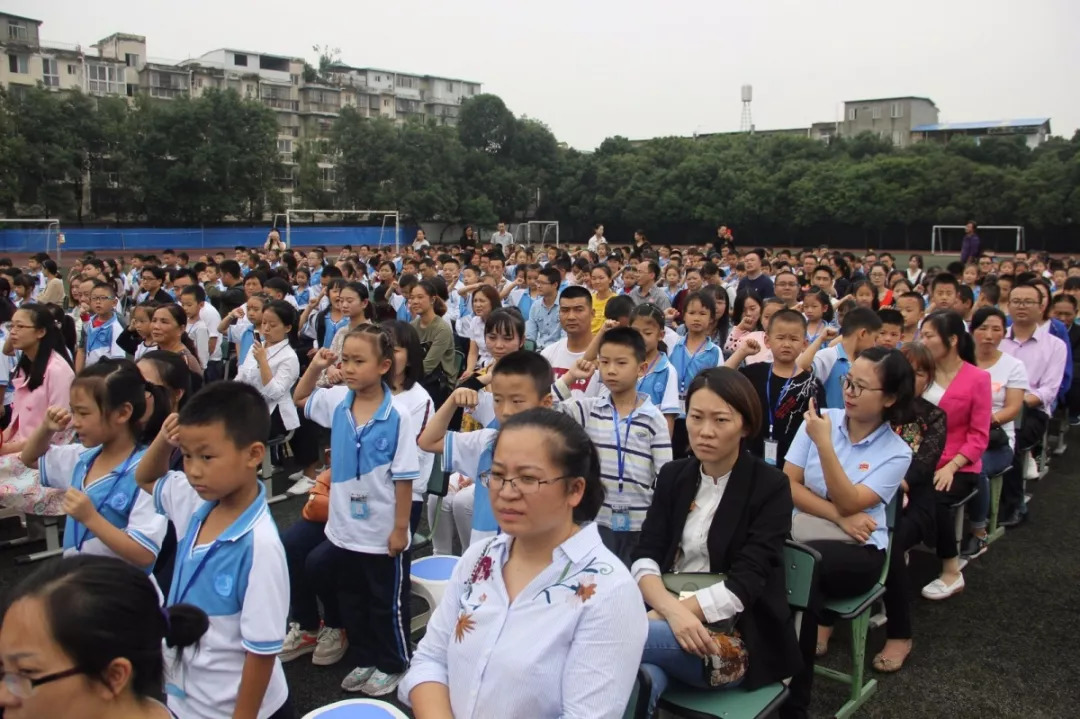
<point>886,99</point>
<point>983,125</point>
<point>20,17</point>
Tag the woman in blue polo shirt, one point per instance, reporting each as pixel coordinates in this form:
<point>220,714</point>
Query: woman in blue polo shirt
<point>844,466</point>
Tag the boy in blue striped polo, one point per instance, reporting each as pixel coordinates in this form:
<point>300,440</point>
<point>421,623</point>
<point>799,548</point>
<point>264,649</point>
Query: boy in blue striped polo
<point>229,558</point>
<point>630,434</point>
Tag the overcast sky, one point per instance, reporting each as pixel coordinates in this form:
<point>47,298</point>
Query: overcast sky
<point>591,69</point>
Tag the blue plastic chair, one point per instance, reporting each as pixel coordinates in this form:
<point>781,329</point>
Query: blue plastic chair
<point>357,709</point>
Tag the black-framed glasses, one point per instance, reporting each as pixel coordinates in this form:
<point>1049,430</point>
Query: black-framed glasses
<point>23,686</point>
<point>856,390</point>
<point>524,485</point>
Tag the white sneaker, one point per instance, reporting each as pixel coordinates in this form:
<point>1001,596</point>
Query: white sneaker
<point>297,643</point>
<point>331,647</point>
<point>1031,468</point>
<point>380,683</point>
<point>357,679</point>
<point>297,476</point>
<point>301,486</point>
<point>938,590</point>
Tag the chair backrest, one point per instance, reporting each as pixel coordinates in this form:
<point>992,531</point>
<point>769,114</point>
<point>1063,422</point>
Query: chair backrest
<point>800,572</point>
<point>530,345</point>
<point>459,359</point>
<point>637,706</point>
<point>438,482</point>
<point>892,515</point>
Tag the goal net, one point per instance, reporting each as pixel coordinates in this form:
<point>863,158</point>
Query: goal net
<point>301,228</point>
<point>537,233</point>
<point>948,238</point>
<point>30,236</point>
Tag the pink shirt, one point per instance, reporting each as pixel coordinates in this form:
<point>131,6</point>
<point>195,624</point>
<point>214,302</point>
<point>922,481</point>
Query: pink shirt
<point>29,407</point>
<point>967,404</point>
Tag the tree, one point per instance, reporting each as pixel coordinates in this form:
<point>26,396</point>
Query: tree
<point>485,124</point>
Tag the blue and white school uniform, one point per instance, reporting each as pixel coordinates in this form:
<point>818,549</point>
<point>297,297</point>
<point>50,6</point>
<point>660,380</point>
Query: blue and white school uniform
<point>831,365</point>
<point>101,341</point>
<point>116,497</point>
<point>471,454</point>
<point>241,581</point>
<point>366,463</point>
<point>687,365</point>
<point>242,334</point>
<point>303,296</point>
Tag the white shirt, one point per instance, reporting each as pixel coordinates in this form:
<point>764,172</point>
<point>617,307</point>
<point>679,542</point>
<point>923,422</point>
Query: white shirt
<point>717,601</point>
<point>569,646</point>
<point>1007,373</point>
<point>561,359</point>
<point>594,242</point>
<point>285,368</point>
<point>503,240</point>
<point>200,336</point>
<point>210,317</point>
<point>472,328</point>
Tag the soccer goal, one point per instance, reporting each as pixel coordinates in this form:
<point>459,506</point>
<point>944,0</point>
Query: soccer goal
<point>391,223</point>
<point>32,236</point>
<point>536,232</point>
<point>939,234</point>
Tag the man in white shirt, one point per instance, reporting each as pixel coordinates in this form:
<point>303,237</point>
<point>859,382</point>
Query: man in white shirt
<point>503,239</point>
<point>575,316</point>
<point>597,238</point>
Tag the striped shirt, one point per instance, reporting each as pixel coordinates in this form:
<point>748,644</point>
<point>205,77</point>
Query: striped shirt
<point>630,463</point>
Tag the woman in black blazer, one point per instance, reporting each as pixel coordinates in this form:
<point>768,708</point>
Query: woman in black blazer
<point>722,512</point>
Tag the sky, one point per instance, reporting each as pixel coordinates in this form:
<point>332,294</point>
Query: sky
<point>592,69</point>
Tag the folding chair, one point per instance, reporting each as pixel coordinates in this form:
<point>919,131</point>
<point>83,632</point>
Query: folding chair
<point>438,485</point>
<point>1059,428</point>
<point>800,571</point>
<point>637,706</point>
<point>957,510</point>
<point>857,609</point>
<point>49,531</point>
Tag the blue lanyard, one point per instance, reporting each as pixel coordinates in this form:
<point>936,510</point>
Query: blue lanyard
<point>620,458</point>
<point>79,541</point>
<point>360,442</point>
<point>768,397</point>
<point>181,588</point>
<point>685,376</point>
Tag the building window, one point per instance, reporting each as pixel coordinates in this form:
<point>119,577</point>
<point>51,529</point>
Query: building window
<point>284,145</point>
<point>450,87</point>
<point>19,64</point>
<point>851,113</point>
<point>897,138</point>
<point>72,69</point>
<point>875,114</point>
<point>50,71</point>
<point>896,110</point>
<point>295,79</point>
<point>239,59</point>
<point>17,30</point>
<point>131,59</point>
<point>327,175</point>
<point>386,102</point>
<point>105,79</point>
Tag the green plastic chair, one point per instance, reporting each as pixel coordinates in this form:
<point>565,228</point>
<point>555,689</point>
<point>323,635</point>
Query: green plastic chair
<point>857,609</point>
<point>637,707</point>
<point>800,570</point>
<point>530,345</point>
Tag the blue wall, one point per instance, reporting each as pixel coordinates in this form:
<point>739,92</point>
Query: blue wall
<point>135,239</point>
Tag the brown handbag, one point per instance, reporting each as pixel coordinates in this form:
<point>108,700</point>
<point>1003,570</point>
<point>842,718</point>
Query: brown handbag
<point>317,508</point>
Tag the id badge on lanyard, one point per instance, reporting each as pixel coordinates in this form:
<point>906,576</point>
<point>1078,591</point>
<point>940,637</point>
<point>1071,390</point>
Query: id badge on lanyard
<point>770,443</point>
<point>620,507</point>
<point>358,506</point>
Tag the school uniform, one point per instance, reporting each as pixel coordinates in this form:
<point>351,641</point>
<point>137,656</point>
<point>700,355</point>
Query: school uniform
<point>241,581</point>
<point>366,463</point>
<point>99,340</point>
<point>115,496</point>
<point>687,365</point>
<point>242,334</point>
<point>199,334</point>
<point>831,366</point>
<point>471,454</point>
<point>212,318</point>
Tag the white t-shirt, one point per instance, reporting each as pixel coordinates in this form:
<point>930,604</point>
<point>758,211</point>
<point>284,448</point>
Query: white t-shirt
<point>1007,373</point>
<point>212,318</point>
<point>472,328</point>
<point>562,360</point>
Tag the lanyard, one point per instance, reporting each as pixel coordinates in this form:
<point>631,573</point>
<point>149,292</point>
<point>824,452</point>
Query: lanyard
<point>180,587</point>
<point>79,541</point>
<point>685,376</point>
<point>620,458</point>
<point>360,442</point>
<point>768,397</point>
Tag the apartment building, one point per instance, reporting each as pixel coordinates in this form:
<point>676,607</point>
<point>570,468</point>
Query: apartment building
<point>891,118</point>
<point>304,103</point>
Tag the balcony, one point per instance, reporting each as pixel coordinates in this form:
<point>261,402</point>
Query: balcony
<point>324,107</point>
<point>168,93</point>
<point>281,103</point>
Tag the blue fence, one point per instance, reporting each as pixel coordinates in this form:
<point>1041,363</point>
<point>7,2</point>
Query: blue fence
<point>136,239</point>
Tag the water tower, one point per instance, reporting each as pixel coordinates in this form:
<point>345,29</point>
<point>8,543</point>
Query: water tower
<point>747,123</point>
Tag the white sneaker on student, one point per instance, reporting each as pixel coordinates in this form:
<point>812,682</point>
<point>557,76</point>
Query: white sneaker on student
<point>301,486</point>
<point>357,679</point>
<point>298,642</point>
<point>938,590</point>
<point>381,684</point>
<point>331,647</point>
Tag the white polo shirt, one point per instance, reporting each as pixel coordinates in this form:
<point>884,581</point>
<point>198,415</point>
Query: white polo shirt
<point>365,464</point>
<point>241,581</point>
<point>212,318</point>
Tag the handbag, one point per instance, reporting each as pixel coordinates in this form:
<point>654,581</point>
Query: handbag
<point>808,528</point>
<point>317,507</point>
<point>998,437</point>
<point>731,663</point>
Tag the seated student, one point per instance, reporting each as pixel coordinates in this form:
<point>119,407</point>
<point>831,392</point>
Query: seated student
<point>630,459</point>
<point>858,333</point>
<point>944,292</point>
<point>544,606</point>
<point>229,561</point>
<point>196,329</point>
<point>575,317</point>
<point>784,388</point>
<point>542,326</point>
<point>844,467</point>
<point>97,656</point>
<point>99,340</point>
<point>661,381</point>
<point>1064,309</point>
<point>912,307</point>
<point>965,302</point>
<point>107,514</point>
<point>924,433</point>
<point>519,381</point>
<point>721,511</point>
<point>892,328</point>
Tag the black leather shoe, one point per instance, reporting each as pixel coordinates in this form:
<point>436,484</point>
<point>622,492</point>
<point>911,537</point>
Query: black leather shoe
<point>1014,519</point>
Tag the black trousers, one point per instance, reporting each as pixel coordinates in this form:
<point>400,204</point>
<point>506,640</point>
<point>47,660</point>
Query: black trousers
<point>1028,436</point>
<point>908,534</point>
<point>373,592</point>
<point>963,485</point>
<point>846,570</point>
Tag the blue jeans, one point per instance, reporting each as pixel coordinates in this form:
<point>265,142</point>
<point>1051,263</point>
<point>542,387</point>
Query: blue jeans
<point>994,461</point>
<point>307,554</point>
<point>664,658</point>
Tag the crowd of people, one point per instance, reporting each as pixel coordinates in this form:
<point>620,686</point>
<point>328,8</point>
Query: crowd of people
<point>607,416</point>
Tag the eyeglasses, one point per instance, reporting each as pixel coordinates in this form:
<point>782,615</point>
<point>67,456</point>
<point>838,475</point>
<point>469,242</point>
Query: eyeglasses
<point>1023,303</point>
<point>20,326</point>
<point>856,390</point>
<point>524,485</point>
<point>100,298</point>
<point>23,687</point>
